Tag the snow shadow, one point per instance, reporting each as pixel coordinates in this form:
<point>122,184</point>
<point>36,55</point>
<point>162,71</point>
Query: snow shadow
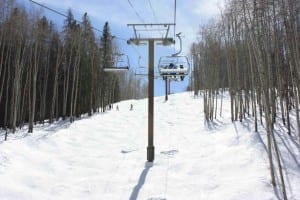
<point>58,125</point>
<point>247,123</point>
<point>141,182</point>
<point>170,153</point>
<point>288,146</point>
<point>20,134</point>
<point>48,128</point>
<point>214,125</point>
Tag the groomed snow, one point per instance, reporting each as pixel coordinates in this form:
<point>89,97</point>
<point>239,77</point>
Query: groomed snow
<point>104,157</point>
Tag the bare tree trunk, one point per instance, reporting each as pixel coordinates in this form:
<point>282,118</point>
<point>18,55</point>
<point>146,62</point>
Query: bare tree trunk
<point>34,65</point>
<point>75,86</point>
<point>54,102</point>
<point>66,83</point>
<point>44,87</point>
<point>279,167</point>
<point>19,65</point>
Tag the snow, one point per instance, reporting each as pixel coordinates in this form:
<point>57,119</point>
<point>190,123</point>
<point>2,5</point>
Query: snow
<point>104,157</point>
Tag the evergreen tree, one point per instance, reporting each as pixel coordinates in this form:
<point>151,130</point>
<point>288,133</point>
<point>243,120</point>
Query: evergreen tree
<point>107,60</point>
<point>88,74</point>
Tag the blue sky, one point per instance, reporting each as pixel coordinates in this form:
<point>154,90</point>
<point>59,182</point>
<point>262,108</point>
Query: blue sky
<point>190,15</point>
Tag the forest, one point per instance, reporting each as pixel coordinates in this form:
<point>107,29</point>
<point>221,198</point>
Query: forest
<point>48,73</point>
<point>253,51</point>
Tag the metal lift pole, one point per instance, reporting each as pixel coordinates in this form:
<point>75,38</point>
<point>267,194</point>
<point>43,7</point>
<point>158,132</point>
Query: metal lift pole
<point>150,148</point>
<point>166,88</point>
<point>151,42</point>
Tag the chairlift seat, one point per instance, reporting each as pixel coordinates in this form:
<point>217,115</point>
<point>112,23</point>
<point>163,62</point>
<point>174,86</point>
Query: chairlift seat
<point>173,66</point>
<point>115,69</point>
<point>166,70</point>
<point>121,63</point>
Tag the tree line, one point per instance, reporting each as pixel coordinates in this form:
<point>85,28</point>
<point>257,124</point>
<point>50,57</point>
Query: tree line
<point>253,51</point>
<point>46,74</point>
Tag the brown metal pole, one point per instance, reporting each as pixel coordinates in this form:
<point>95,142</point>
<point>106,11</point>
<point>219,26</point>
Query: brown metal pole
<point>169,86</point>
<point>150,148</point>
<point>166,88</point>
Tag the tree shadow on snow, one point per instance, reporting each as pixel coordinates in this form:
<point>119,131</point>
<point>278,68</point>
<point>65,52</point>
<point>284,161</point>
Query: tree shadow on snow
<point>287,143</point>
<point>247,123</point>
<point>142,179</point>
<point>214,125</point>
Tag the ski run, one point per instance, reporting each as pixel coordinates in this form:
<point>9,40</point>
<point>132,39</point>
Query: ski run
<point>104,156</point>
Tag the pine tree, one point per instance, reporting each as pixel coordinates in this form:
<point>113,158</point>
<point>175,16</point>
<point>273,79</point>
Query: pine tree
<point>106,50</point>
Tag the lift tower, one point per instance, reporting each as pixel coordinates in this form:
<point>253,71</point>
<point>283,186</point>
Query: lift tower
<point>151,30</point>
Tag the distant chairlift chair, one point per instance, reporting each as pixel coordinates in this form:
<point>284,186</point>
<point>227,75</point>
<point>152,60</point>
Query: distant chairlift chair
<point>120,64</point>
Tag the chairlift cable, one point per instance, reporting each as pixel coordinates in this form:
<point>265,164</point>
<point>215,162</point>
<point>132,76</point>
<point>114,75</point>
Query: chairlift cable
<point>48,8</point>
<point>175,8</point>
<point>152,10</point>
<point>64,15</point>
<point>137,14</point>
<point>153,13</point>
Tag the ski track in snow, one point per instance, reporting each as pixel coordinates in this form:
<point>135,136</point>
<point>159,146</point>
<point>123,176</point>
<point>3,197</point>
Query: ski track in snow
<point>104,157</point>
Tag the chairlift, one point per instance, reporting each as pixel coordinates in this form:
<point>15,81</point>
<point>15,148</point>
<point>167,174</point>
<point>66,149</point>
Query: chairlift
<point>141,72</point>
<point>120,63</point>
<point>176,67</point>
<point>144,72</point>
<point>139,63</point>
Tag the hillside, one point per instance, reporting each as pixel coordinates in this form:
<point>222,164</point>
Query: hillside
<point>104,157</point>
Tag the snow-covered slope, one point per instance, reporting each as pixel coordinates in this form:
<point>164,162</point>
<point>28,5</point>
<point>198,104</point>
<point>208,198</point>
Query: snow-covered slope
<point>104,157</point>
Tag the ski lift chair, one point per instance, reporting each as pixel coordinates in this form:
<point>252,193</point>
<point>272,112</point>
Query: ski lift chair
<point>174,66</point>
<point>141,72</point>
<point>120,64</point>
